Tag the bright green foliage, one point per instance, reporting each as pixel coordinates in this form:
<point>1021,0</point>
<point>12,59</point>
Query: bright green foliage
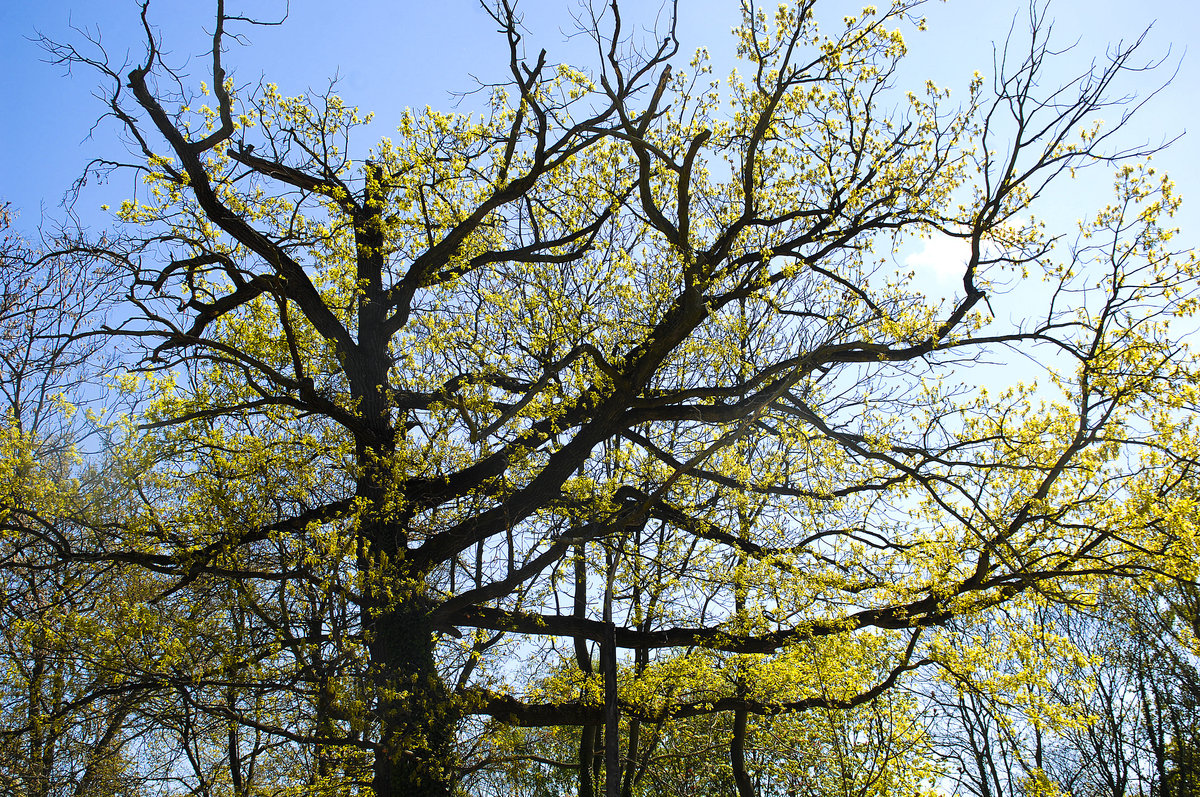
<point>615,407</point>
<point>68,708</point>
<point>1091,700</point>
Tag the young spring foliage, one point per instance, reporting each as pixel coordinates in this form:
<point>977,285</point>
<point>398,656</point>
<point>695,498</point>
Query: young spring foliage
<point>611,408</point>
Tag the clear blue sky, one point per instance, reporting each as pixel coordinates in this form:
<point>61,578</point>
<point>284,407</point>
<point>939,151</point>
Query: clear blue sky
<point>395,54</point>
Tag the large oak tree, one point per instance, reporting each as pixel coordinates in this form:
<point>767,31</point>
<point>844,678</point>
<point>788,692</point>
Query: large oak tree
<point>615,406</point>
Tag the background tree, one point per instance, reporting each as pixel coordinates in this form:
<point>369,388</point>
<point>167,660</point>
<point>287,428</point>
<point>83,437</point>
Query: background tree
<point>623,382</point>
<point>1101,719</point>
<point>63,729</point>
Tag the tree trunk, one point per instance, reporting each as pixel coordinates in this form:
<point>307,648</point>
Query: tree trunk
<point>737,756</point>
<point>587,760</point>
<point>414,708</point>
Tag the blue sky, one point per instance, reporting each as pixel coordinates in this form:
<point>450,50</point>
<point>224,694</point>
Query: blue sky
<point>395,54</point>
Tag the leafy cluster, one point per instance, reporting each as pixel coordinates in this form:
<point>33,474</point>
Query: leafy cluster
<point>603,437</point>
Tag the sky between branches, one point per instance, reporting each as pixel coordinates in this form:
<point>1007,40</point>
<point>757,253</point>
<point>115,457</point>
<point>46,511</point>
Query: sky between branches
<point>390,55</point>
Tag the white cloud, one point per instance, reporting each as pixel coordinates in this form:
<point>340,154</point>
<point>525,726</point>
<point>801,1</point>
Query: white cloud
<point>942,257</point>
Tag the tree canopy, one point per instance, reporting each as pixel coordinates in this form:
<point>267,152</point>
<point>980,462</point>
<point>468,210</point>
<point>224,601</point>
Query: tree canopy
<point>528,444</point>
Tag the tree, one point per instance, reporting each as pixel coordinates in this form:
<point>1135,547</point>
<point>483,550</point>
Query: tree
<point>1161,654</point>
<point>63,729</point>
<point>879,748</point>
<point>614,408</point>
<point>1104,702</point>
